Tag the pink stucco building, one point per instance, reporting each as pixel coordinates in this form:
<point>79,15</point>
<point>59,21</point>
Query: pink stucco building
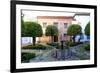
<point>61,22</point>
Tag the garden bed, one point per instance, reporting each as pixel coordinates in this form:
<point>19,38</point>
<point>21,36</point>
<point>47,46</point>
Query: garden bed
<point>25,57</point>
<point>82,51</point>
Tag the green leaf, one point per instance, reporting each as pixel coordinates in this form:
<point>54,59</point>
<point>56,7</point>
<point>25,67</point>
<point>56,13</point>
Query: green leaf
<point>87,29</point>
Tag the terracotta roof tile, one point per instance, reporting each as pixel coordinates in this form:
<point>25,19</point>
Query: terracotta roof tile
<point>54,17</point>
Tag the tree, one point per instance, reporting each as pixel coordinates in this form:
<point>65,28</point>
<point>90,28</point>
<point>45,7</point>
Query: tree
<point>74,30</point>
<point>87,29</point>
<point>33,29</point>
<point>51,31</point>
<point>22,25</point>
<point>81,36</point>
<point>22,28</point>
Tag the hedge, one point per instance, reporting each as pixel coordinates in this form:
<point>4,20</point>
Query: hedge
<point>25,57</point>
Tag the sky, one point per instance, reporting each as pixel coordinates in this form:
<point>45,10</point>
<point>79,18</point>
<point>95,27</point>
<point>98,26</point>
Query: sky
<point>83,21</point>
<point>30,15</point>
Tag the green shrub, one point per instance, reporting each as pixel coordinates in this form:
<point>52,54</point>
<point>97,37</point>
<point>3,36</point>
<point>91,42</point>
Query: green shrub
<point>76,43</point>
<point>68,44</point>
<point>27,56</point>
<point>71,44</point>
<point>83,57</point>
<point>37,46</point>
<point>54,44</point>
<point>27,47</point>
<point>87,47</point>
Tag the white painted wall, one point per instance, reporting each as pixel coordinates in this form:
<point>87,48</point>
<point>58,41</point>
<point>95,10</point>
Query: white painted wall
<point>26,40</point>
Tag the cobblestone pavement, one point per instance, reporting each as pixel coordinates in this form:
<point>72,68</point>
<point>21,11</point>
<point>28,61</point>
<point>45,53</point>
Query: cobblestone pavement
<point>65,54</point>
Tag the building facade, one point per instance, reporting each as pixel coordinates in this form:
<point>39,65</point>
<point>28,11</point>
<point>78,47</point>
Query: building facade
<point>61,22</point>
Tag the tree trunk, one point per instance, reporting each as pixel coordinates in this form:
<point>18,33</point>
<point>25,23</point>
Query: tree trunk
<point>71,38</point>
<point>34,39</point>
<point>79,38</point>
<point>49,39</point>
<point>52,38</point>
<point>55,38</point>
<point>74,38</point>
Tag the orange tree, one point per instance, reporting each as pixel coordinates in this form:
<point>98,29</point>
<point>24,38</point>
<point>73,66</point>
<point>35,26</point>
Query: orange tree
<point>87,29</point>
<point>74,30</point>
<point>51,31</point>
<point>22,27</point>
<point>33,29</point>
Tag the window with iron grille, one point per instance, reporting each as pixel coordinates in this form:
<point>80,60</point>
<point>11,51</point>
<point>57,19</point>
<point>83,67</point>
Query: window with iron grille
<point>55,24</point>
<point>65,25</point>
